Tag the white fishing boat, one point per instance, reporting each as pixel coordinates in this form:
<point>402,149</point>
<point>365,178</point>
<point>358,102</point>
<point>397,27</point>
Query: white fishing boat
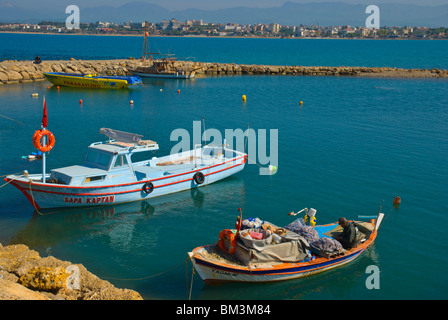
<point>109,175</point>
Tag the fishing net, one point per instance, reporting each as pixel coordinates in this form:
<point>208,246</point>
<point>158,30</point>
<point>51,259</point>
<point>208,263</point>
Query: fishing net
<point>303,230</point>
<point>327,244</point>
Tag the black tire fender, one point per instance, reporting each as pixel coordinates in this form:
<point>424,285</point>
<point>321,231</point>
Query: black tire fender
<point>199,177</point>
<point>148,187</point>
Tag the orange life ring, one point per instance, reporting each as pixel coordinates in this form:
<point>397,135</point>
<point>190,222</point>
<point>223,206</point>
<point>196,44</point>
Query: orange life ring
<point>227,234</point>
<point>38,136</point>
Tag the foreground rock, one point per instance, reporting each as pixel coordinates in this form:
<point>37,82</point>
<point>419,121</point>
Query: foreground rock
<point>24,275</point>
<point>27,71</point>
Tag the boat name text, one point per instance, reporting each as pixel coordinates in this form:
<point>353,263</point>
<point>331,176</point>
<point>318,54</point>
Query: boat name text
<point>90,200</point>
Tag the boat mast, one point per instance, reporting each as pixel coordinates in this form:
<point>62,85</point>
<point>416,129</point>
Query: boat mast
<point>44,140</point>
<point>147,52</point>
<point>146,33</point>
<point>43,159</point>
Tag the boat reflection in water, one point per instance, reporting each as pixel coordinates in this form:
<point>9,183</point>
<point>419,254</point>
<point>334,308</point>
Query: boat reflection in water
<point>71,224</point>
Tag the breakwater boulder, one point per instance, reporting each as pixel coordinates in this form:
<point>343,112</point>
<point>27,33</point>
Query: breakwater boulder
<point>24,275</point>
<point>27,71</point>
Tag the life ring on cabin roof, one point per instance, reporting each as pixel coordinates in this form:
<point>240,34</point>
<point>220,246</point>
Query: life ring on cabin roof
<point>227,234</point>
<point>148,187</point>
<point>38,135</point>
<point>199,177</point>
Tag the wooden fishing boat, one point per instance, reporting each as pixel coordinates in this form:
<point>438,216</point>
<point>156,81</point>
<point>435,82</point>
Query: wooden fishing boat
<point>91,81</point>
<point>109,175</point>
<point>267,260</point>
<point>163,68</point>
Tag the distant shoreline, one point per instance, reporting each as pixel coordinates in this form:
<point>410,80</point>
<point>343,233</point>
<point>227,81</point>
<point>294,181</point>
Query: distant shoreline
<point>214,37</point>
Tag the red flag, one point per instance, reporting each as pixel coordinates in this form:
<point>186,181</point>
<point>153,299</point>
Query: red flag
<point>44,118</point>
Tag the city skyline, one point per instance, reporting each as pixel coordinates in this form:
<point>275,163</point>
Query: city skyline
<point>296,12</point>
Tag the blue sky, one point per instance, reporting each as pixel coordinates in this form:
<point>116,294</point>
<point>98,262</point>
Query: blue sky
<point>203,4</point>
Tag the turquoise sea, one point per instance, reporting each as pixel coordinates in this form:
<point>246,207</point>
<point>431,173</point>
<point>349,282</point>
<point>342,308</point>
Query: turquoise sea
<point>354,144</point>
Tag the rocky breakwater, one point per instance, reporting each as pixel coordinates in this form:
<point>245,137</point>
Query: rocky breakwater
<point>232,68</point>
<point>27,71</point>
<point>24,275</point>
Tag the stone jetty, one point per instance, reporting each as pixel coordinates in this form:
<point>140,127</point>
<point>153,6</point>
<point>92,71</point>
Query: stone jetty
<point>24,275</point>
<point>27,71</point>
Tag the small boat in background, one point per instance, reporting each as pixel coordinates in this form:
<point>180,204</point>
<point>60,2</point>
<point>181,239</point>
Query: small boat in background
<point>91,81</point>
<point>160,68</point>
<point>266,253</point>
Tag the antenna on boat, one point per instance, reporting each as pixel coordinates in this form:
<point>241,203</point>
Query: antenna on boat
<point>205,136</point>
<point>379,217</point>
<point>381,205</point>
<point>239,220</point>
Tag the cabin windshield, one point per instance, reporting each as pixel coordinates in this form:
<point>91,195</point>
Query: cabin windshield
<point>121,161</point>
<point>140,156</point>
<point>101,159</point>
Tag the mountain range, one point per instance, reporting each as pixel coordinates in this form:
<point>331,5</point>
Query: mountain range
<point>289,13</point>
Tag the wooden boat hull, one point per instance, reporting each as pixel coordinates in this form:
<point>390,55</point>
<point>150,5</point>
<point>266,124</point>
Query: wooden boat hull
<point>91,82</point>
<point>173,75</point>
<point>216,272</point>
<point>49,195</point>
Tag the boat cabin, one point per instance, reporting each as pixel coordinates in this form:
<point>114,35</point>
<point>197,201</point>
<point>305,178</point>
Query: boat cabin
<point>111,162</point>
<point>107,162</point>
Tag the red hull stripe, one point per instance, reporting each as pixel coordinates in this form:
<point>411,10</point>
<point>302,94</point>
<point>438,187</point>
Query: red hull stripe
<point>27,195</point>
<point>119,192</point>
<point>139,182</point>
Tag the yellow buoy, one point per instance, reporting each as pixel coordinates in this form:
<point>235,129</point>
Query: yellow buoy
<point>243,97</point>
<point>301,102</point>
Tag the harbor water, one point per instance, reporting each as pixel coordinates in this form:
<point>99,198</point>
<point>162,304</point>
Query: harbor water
<point>351,147</point>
